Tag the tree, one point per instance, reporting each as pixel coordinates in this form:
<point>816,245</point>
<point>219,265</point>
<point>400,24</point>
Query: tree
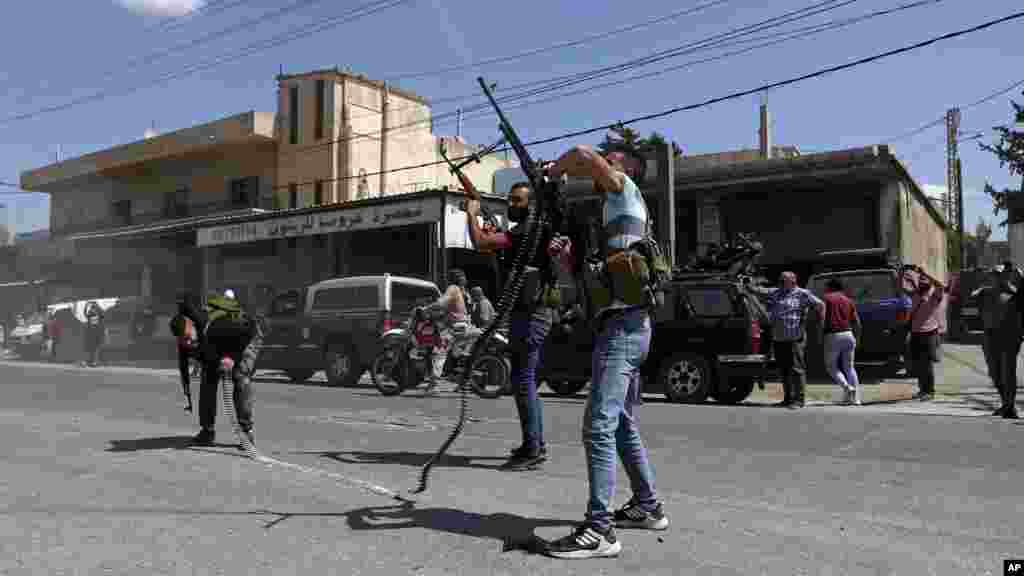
<point>629,140</point>
<point>1010,151</point>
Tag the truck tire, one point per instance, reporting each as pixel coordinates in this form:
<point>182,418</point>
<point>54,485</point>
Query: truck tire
<point>685,378</point>
<point>341,365</point>
<point>299,375</point>
<point>567,388</point>
<point>734,390</point>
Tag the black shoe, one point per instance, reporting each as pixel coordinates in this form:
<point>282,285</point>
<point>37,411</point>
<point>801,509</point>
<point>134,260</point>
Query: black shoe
<point>795,405</point>
<point>523,450</point>
<point>633,516</point>
<point>783,404</point>
<point>1000,411</point>
<point>1011,414</point>
<point>204,438</point>
<point>524,461</point>
<point>926,397</point>
<point>586,541</point>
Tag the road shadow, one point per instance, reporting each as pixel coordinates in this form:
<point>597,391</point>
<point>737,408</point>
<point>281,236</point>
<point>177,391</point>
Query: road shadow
<point>156,443</point>
<point>413,459</point>
<point>513,531</point>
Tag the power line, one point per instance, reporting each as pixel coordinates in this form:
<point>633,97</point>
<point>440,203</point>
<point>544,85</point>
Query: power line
<point>243,25</point>
<point>362,11</point>
<point>209,8</point>
<point>708,44</point>
<point>567,80</point>
<point>567,44</point>
<point>709,102</point>
<point>942,120</point>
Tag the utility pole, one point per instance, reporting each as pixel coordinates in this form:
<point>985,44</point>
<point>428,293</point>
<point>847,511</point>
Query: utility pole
<point>960,214</point>
<point>952,153</point>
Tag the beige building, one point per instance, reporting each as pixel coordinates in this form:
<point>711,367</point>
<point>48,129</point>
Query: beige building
<point>343,179</point>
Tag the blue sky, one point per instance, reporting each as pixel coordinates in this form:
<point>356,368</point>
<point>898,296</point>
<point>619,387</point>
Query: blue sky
<point>61,50</point>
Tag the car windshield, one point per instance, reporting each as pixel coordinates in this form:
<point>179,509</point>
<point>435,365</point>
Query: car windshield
<point>710,301</point>
<point>866,287</point>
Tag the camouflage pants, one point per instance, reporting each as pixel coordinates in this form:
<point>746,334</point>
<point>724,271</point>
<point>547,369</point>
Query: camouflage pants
<point>240,376</point>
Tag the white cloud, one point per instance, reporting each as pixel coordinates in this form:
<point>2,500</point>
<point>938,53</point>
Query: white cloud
<point>162,7</point>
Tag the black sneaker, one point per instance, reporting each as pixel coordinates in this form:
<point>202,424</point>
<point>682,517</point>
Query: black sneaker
<point>524,461</point>
<point>586,541</point>
<point>522,450</point>
<point>204,438</point>
<point>633,516</point>
<point>1011,414</point>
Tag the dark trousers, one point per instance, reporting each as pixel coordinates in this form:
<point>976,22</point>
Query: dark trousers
<point>789,356</point>
<point>988,346</point>
<point>183,369</point>
<point>527,332</point>
<point>924,349</point>
<point>1004,352</point>
<point>94,343</point>
<point>241,378</point>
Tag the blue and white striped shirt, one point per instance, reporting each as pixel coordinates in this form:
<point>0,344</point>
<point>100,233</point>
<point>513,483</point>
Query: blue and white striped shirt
<point>787,311</point>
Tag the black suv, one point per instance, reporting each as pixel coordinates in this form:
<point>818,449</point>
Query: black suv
<point>706,341</point>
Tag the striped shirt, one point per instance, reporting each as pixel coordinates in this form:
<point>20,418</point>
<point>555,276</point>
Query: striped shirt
<point>787,311</point>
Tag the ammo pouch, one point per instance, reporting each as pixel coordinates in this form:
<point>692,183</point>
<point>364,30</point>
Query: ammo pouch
<point>633,276</point>
<point>538,291</point>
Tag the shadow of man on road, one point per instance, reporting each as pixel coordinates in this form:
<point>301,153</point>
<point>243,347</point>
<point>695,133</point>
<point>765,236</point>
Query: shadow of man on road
<point>416,459</point>
<point>514,532</point>
<point>155,443</point>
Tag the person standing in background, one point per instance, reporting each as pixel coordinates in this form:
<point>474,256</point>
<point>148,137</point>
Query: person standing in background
<point>788,313</point>
<point>95,332</point>
<point>926,302</point>
<point>842,331</point>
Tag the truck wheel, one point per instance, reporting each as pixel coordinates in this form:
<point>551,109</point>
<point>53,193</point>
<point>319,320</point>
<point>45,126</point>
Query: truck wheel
<point>566,387</point>
<point>299,375</point>
<point>341,365</point>
<point>685,377</point>
<point>734,390</point>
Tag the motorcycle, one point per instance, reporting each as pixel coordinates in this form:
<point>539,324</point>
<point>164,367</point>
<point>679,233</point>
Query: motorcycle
<point>407,353</point>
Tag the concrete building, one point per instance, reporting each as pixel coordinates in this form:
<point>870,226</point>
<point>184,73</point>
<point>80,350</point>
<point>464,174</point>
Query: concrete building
<point>258,201</point>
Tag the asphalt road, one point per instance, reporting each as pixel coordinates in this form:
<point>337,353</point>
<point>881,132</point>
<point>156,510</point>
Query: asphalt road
<point>98,480</point>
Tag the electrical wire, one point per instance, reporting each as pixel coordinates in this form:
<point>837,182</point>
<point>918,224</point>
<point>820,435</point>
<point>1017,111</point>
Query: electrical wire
<point>562,81</point>
<point>711,101</point>
<point>942,120</point>
<point>485,108</point>
<point>558,46</point>
<point>243,25</point>
<point>360,12</point>
<point>209,8</point>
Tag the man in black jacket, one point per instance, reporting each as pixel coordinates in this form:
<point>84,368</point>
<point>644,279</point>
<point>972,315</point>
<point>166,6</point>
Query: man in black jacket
<point>225,331</point>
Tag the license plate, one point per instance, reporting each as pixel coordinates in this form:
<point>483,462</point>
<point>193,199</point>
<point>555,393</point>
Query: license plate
<point>970,312</point>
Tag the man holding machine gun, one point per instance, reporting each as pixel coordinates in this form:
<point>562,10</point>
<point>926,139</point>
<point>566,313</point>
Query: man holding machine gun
<point>532,314</point>
<point>620,347</point>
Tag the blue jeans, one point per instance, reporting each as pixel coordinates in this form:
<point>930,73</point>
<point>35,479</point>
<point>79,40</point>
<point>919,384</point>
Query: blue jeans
<point>609,425</point>
<point>528,333</point>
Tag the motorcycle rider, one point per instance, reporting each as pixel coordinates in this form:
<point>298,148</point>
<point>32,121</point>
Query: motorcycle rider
<point>531,317</point>
<point>456,327</point>
<point>225,330</point>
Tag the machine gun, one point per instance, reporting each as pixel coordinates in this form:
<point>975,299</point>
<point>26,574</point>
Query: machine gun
<point>548,207</point>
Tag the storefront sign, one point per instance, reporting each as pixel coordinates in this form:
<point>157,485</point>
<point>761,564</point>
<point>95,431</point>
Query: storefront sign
<point>341,220</point>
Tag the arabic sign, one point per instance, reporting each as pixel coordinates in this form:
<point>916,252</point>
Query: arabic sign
<point>342,220</point>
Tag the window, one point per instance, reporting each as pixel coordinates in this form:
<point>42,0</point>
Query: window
<point>123,212</point>
<point>318,199</point>
<point>404,297</point>
<point>286,304</point>
<point>347,297</point>
<point>321,98</point>
<point>293,195</point>
<point>293,114</point>
<point>244,191</point>
<point>710,301</point>
<point>864,287</point>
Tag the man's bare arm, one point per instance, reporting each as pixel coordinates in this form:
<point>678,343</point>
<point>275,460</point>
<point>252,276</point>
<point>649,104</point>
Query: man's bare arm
<point>582,162</point>
<point>483,241</point>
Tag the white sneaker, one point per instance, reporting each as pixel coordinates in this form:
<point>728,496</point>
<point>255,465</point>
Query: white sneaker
<point>586,541</point>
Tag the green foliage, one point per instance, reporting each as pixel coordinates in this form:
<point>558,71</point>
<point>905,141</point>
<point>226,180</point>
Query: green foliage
<point>1010,151</point>
<point>627,139</point>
